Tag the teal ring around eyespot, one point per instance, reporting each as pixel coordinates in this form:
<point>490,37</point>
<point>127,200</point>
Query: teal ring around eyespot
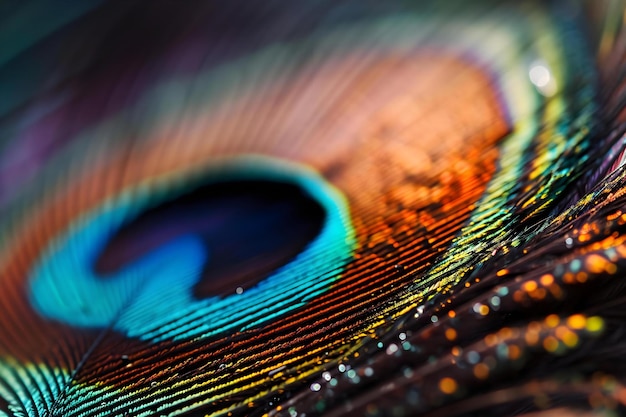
<point>151,298</point>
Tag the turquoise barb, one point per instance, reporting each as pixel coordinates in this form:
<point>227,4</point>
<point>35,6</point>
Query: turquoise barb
<point>153,307</point>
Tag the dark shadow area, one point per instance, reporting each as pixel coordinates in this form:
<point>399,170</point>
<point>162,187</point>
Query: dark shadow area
<point>250,228</point>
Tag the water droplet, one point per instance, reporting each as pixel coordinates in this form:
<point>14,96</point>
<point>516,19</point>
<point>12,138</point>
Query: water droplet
<point>473,357</point>
<point>391,349</point>
<point>542,78</point>
<point>495,301</point>
<point>126,361</point>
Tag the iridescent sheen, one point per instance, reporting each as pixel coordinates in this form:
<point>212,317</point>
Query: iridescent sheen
<point>312,208</point>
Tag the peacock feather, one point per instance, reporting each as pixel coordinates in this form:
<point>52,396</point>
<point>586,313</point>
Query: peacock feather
<point>312,208</point>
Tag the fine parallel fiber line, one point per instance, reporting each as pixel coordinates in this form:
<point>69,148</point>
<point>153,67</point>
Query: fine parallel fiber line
<point>322,209</point>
